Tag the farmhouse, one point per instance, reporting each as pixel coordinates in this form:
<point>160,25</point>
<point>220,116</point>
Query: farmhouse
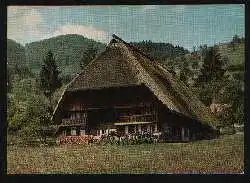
<point>126,91</point>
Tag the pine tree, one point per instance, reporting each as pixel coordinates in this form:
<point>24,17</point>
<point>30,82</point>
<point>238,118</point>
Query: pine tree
<point>211,78</point>
<point>213,67</point>
<point>88,56</point>
<point>49,76</point>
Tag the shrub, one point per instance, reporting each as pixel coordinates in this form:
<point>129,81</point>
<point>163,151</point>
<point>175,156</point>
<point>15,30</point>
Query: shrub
<point>227,130</point>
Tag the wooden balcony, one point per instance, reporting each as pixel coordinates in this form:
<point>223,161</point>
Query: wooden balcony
<point>73,122</point>
<point>139,117</point>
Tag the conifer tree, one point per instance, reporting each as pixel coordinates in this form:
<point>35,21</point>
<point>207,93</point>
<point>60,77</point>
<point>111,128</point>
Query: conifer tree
<point>212,74</point>
<point>213,67</point>
<point>49,76</point>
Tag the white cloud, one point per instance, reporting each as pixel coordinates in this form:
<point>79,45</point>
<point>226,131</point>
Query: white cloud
<point>26,24</point>
<point>23,22</point>
<point>24,15</point>
<point>85,30</point>
<point>32,17</point>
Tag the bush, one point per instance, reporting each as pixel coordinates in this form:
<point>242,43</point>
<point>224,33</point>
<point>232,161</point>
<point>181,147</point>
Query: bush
<point>128,140</point>
<point>227,130</point>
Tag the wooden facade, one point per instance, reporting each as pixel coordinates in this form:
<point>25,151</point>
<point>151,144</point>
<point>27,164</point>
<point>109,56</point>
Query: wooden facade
<point>125,110</point>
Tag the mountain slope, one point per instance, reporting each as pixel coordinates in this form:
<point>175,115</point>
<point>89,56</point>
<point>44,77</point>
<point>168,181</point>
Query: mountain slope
<point>234,52</point>
<point>15,53</point>
<point>161,51</point>
<point>67,49</point>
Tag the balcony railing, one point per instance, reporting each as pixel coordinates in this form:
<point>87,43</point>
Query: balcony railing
<point>138,118</point>
<point>73,122</point>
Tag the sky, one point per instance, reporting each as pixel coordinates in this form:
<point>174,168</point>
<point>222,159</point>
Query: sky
<point>183,25</point>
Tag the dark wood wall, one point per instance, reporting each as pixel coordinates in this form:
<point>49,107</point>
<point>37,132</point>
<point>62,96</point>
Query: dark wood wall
<point>108,97</point>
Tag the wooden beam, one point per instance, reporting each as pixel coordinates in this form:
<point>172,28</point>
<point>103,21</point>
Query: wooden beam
<point>139,128</point>
<point>126,129</point>
<point>75,124</point>
<point>182,134</point>
<point>133,123</point>
<point>155,127</point>
<point>188,134</point>
<point>148,128</point>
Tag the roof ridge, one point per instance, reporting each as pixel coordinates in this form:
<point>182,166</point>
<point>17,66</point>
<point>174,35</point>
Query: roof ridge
<point>134,48</point>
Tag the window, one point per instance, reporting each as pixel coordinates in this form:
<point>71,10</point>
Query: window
<point>126,129</point>
<point>186,132</point>
<point>155,128</point>
<point>82,132</point>
<point>72,116</point>
<point>168,130</point>
<point>73,131</point>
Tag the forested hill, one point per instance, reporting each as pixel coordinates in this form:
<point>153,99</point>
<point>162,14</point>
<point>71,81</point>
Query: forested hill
<point>161,51</point>
<point>235,53</point>
<point>68,50</point>
<point>15,53</point>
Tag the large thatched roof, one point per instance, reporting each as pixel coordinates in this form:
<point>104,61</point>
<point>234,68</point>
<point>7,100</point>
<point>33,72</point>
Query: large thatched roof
<point>121,64</point>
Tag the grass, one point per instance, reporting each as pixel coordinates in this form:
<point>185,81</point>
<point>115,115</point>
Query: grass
<point>223,155</point>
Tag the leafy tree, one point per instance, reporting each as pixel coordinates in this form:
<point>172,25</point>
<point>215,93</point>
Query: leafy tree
<point>88,56</point>
<point>37,117</point>
<point>215,85</point>
<point>17,70</point>
<point>28,109</point>
<point>232,93</point>
<point>185,72</point>
<point>49,76</point>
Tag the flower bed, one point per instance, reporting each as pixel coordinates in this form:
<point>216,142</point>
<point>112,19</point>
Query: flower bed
<point>74,139</point>
<point>112,139</point>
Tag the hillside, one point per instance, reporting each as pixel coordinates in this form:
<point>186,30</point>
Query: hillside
<point>236,60</point>
<point>235,53</point>
<point>161,51</point>
<point>15,53</point>
<point>67,50</point>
